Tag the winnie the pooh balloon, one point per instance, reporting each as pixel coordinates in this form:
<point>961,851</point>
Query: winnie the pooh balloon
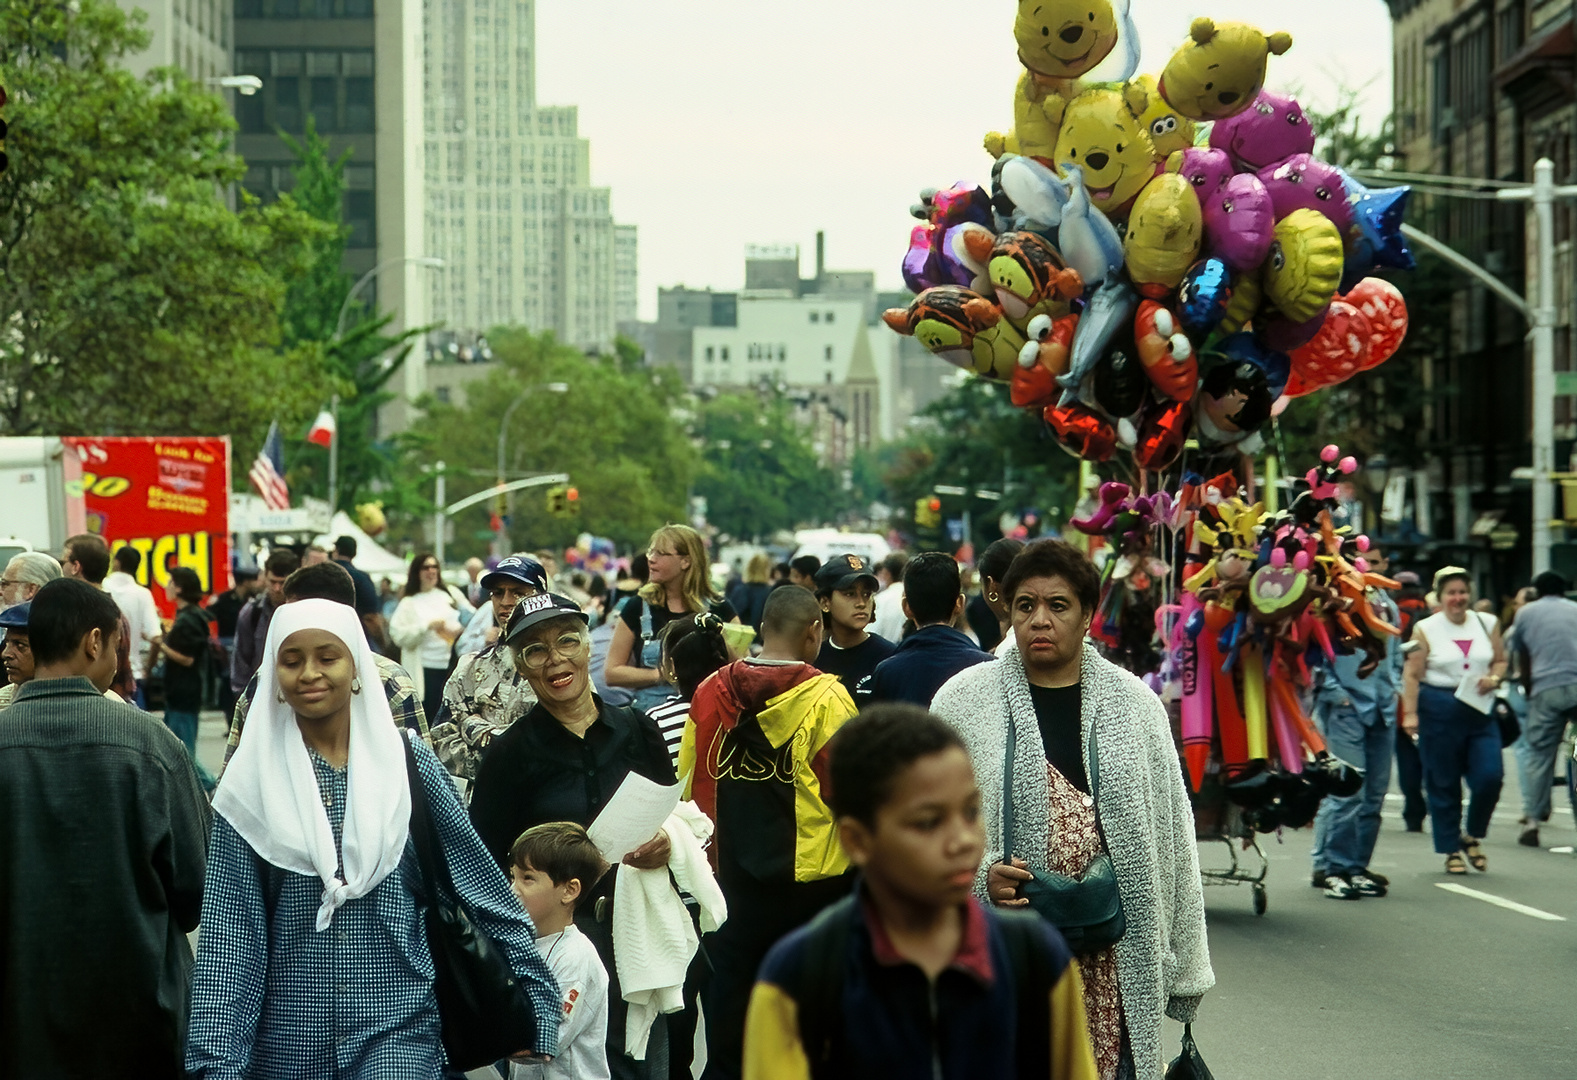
<point>1102,135</point>
<point>1219,71</point>
<point>1305,264</point>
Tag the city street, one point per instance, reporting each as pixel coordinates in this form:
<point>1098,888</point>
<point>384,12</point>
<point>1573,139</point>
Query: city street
<point>1422,983</point>
<point>1425,982</point>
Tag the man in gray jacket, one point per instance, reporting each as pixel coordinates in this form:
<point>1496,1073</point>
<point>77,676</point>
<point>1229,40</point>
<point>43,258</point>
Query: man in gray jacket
<point>1546,631</point>
<point>103,846</point>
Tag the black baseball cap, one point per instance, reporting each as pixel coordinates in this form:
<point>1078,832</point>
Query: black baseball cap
<point>842,571</point>
<point>517,567</point>
<point>539,609</point>
<point>15,616</point>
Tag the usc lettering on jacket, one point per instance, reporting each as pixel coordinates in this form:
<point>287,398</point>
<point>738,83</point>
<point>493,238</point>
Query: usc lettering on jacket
<point>754,756</point>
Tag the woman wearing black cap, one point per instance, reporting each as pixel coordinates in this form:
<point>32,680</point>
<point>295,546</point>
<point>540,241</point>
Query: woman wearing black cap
<point>487,692</point>
<point>563,761</point>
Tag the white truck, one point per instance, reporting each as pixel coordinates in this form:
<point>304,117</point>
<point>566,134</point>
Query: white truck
<point>41,493</point>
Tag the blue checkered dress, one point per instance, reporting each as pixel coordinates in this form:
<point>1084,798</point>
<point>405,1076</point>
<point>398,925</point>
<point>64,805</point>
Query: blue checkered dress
<point>271,997</point>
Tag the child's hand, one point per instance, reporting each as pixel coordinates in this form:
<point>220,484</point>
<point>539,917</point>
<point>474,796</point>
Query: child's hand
<point>1003,881</point>
<point>652,855</point>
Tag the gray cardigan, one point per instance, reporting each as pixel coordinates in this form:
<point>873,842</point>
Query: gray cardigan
<point>1163,961</point>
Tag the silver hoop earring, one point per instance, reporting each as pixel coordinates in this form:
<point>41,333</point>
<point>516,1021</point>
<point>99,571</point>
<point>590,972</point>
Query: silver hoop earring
<point>355,686</point>
<point>279,697</point>
<point>992,598</point>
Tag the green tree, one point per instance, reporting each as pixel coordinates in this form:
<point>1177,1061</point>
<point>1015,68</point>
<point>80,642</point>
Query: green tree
<point>975,438</point>
<point>616,432</point>
<point>760,472</point>
<point>135,300</point>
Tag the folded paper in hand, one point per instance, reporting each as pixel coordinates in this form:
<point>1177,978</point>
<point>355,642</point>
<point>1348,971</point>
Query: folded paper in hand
<point>633,816</point>
<point>1470,695</point>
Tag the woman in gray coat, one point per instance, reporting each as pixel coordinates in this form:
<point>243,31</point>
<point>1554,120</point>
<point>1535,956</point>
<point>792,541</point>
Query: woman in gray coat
<point>1058,692</point>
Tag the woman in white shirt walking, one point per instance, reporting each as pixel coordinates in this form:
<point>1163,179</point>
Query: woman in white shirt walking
<point>1459,660</point>
<point>425,624</point>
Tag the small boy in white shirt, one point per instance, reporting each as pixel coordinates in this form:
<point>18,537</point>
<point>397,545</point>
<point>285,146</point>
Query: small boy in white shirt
<point>553,865</point>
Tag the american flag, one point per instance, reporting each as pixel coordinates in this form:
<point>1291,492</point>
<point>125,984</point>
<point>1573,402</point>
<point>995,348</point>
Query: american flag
<point>268,471</point>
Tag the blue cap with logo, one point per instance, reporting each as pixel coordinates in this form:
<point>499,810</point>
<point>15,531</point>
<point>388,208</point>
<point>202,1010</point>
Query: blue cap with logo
<point>15,616</point>
<point>518,567</point>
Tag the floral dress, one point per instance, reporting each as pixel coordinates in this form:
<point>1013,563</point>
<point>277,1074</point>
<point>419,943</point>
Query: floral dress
<point>1073,841</point>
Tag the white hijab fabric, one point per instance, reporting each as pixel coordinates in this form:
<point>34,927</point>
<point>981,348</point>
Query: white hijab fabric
<point>270,792</point>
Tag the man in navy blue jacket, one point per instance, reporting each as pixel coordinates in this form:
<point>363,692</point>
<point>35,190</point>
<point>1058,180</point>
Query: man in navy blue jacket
<point>934,652</point>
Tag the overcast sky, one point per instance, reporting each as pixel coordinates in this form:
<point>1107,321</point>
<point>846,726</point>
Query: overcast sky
<point>720,124</point>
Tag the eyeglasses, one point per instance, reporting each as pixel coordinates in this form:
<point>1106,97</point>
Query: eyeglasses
<point>12,581</point>
<point>430,566</point>
<point>568,646</point>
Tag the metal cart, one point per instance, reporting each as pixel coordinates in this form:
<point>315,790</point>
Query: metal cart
<point>1217,819</point>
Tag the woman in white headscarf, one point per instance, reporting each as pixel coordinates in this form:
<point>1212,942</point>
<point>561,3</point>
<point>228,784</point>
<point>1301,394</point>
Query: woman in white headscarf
<point>313,959</point>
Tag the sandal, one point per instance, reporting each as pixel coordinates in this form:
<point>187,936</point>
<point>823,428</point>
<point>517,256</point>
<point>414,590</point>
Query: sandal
<point>1454,863</point>
<point>1475,855</point>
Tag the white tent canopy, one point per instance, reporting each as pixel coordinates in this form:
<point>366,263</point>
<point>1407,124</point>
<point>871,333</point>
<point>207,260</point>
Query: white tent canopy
<point>371,557</point>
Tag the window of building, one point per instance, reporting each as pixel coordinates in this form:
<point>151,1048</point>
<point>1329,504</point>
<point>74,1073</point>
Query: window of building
<point>358,9</point>
<point>325,103</point>
<point>286,9</point>
<point>358,103</point>
<point>249,9</point>
<point>286,95</point>
<point>442,394</point>
<point>828,353</point>
<point>815,316</point>
<point>360,215</point>
<point>709,351</point>
<point>723,352</point>
<point>829,376</point>
<point>321,9</point>
<point>782,353</point>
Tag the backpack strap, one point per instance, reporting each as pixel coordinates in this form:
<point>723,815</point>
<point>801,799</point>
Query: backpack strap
<point>818,989</point>
<point>1030,969</point>
<point>646,630</point>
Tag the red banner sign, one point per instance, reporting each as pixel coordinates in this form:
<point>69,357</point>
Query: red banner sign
<point>168,498</point>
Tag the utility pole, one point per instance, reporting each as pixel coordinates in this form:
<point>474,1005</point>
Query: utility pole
<point>439,521</point>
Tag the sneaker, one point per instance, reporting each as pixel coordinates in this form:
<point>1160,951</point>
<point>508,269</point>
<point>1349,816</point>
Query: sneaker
<point>1339,888</point>
<point>1367,884</point>
<point>1529,834</point>
<point>1378,878</point>
<point>1318,878</point>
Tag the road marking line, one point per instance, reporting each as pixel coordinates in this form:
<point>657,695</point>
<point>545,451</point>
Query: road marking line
<point>1499,901</point>
<point>1565,849</point>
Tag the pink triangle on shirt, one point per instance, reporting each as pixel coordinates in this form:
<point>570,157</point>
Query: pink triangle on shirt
<point>1465,646</point>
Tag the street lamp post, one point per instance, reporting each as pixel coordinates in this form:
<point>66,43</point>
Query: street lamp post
<point>429,261</point>
<point>245,85</point>
<point>501,537</point>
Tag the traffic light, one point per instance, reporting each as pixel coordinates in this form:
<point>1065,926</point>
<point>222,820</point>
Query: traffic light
<point>572,501</point>
<point>557,501</point>
<point>928,512</point>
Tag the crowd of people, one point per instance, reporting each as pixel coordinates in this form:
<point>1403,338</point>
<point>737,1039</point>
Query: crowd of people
<point>898,804</point>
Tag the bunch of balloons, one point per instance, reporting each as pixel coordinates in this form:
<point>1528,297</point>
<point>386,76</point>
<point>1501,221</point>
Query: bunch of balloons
<point>1263,594</point>
<point>1133,574</point>
<point>1155,258</point>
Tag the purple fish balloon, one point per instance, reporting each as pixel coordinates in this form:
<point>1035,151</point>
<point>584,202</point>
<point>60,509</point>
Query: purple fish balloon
<point>1271,130</point>
<point>1303,183</point>
<point>1240,223</point>
<point>1206,171</point>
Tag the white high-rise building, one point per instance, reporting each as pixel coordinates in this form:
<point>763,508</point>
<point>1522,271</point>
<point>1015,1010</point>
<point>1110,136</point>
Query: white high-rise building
<point>525,238</point>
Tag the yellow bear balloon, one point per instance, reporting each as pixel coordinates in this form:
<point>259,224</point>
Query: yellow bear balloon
<point>1102,135</point>
<point>1219,70</point>
<point>1305,264</point>
<point>1058,41</point>
<point>1164,231</point>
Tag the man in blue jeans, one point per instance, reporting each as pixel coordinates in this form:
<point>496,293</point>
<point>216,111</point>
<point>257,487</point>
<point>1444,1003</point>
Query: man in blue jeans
<point>1546,632</point>
<point>1358,716</point>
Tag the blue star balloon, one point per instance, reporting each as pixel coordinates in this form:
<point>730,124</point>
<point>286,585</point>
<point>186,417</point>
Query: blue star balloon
<point>1377,243</point>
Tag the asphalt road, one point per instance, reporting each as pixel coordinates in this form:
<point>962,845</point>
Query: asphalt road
<point>1422,983</point>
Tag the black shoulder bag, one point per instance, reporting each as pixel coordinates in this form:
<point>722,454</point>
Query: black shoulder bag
<point>1088,910</point>
<point>484,1012</point>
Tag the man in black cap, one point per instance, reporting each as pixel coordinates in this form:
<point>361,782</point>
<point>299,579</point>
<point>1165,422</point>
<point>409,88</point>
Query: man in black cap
<point>486,693</point>
<point>847,590</point>
<point>16,652</point>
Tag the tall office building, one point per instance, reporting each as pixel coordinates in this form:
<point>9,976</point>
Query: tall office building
<point>193,35</point>
<point>351,65</point>
<point>526,240</point>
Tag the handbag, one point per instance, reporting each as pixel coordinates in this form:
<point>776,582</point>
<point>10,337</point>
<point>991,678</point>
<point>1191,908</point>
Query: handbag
<point>1087,910</point>
<point>1506,719</point>
<point>484,1013</point>
<point>1188,1065</point>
